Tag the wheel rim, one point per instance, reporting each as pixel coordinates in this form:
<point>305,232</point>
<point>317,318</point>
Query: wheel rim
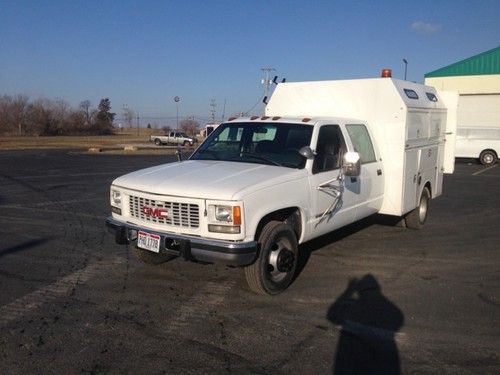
<point>487,158</point>
<point>422,209</point>
<point>281,260</point>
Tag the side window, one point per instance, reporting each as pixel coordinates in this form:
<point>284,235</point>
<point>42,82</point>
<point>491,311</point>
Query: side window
<point>329,150</point>
<point>361,142</point>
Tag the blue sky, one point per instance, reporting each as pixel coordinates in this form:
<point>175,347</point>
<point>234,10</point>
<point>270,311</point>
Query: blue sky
<point>143,53</point>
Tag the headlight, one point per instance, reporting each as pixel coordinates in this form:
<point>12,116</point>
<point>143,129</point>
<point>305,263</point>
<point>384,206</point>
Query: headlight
<point>116,198</point>
<point>224,213</point>
<point>229,218</point>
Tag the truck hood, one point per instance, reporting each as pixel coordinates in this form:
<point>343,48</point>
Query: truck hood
<point>210,179</point>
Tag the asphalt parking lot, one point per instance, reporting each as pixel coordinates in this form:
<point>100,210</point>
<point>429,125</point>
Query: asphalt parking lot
<point>72,301</point>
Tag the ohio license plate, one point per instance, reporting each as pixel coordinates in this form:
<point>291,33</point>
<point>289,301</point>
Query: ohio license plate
<point>148,241</point>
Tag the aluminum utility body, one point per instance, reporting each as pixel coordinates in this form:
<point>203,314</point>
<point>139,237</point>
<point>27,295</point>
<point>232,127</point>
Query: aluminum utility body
<point>326,154</point>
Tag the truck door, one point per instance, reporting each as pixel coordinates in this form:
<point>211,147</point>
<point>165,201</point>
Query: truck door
<point>371,179</point>
<point>329,210</point>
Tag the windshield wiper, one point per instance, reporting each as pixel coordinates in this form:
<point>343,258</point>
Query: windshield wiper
<point>260,157</point>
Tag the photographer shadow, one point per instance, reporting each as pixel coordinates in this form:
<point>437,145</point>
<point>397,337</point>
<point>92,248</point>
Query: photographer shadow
<point>368,323</point>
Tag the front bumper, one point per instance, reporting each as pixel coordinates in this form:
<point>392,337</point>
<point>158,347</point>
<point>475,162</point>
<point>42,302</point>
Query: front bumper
<point>189,247</point>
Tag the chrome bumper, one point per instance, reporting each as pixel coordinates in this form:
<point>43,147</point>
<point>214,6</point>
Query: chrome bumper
<point>189,247</point>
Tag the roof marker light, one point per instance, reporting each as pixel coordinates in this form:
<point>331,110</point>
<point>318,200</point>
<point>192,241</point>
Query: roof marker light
<point>276,118</point>
<point>306,119</point>
<point>254,117</point>
<point>386,73</point>
<point>264,117</point>
<point>232,118</point>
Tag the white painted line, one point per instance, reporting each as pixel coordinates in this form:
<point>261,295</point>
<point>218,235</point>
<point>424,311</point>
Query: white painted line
<point>61,288</point>
<point>199,306</point>
<point>484,170</point>
<point>42,209</point>
<point>69,175</point>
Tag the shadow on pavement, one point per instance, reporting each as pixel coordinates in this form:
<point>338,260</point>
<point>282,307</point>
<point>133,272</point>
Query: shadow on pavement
<point>23,247</point>
<point>368,322</point>
<point>306,249</point>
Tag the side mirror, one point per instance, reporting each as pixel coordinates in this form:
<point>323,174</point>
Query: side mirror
<point>307,152</point>
<point>351,165</point>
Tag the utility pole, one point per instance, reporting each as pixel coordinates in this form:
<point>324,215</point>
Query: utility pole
<point>223,111</point>
<point>137,123</point>
<point>406,67</point>
<point>267,81</point>
<point>212,111</point>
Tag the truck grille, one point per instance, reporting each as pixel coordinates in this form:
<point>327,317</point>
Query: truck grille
<point>161,212</point>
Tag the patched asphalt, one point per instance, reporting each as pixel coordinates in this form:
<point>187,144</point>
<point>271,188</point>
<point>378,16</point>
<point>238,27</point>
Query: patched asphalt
<point>370,298</point>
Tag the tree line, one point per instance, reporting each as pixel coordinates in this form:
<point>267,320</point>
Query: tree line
<point>22,116</point>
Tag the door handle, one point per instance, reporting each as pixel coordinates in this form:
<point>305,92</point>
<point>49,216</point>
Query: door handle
<point>379,172</point>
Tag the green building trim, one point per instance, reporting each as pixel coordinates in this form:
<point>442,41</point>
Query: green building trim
<point>485,63</point>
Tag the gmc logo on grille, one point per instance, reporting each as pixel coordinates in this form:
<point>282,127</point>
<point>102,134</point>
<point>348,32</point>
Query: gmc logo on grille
<point>161,213</point>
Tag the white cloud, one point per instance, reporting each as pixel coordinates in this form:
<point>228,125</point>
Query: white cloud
<point>425,27</point>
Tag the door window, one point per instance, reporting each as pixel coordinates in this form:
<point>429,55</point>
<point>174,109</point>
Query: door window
<point>362,143</point>
<point>329,150</point>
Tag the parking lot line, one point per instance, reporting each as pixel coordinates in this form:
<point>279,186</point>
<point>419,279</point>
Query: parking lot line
<point>114,173</point>
<point>43,209</point>
<point>63,287</point>
<point>484,170</point>
<point>199,306</point>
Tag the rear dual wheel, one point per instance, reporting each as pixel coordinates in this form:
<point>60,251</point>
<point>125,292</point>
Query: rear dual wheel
<point>275,267</point>
<point>415,219</point>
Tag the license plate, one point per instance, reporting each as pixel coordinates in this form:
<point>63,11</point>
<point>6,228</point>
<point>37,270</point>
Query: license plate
<point>148,241</point>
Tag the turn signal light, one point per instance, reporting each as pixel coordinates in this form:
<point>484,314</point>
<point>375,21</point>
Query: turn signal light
<point>236,215</point>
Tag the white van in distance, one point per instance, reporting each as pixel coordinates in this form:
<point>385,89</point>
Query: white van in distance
<point>478,143</point>
<point>326,154</point>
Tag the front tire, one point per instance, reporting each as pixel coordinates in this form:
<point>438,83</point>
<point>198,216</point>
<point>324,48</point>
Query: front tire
<point>275,267</point>
<point>152,258</point>
<point>415,219</point>
<point>488,157</point>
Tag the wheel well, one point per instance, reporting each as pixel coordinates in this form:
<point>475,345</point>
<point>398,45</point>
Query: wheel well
<point>428,186</point>
<point>490,150</point>
<point>290,215</point>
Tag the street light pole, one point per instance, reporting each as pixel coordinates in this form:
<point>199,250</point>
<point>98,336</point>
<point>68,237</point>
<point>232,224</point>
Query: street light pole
<point>406,67</point>
<point>176,100</point>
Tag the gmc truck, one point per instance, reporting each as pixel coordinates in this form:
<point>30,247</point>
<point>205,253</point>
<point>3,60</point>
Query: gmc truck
<point>325,154</point>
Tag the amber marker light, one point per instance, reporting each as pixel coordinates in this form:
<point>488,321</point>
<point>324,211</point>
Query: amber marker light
<point>386,73</point>
<point>236,215</point>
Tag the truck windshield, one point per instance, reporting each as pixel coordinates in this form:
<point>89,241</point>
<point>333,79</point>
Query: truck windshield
<point>262,143</point>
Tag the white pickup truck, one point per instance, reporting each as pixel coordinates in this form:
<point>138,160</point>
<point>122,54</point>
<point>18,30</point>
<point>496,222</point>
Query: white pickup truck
<point>175,138</point>
<point>326,154</point>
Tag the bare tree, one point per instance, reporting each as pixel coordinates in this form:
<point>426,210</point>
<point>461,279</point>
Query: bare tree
<point>86,108</point>
<point>190,126</point>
